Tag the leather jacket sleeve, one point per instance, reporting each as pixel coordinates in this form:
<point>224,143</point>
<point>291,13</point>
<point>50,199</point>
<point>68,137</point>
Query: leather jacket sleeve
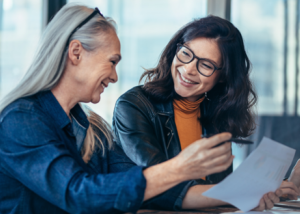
<point>132,121</point>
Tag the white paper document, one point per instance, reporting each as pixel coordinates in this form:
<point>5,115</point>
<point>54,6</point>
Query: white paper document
<point>262,172</point>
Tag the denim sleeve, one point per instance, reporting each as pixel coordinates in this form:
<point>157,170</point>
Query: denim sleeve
<point>169,200</point>
<point>32,153</point>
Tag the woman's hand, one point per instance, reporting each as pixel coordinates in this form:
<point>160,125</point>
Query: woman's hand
<point>289,190</point>
<point>196,161</point>
<point>268,200</point>
<point>201,159</point>
<point>295,174</point>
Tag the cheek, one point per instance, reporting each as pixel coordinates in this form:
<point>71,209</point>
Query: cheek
<point>173,72</point>
<point>100,74</point>
<point>173,68</point>
<point>105,71</point>
<point>210,82</point>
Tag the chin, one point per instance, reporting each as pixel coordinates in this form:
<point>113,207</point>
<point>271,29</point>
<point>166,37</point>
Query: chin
<point>96,100</point>
<point>187,94</point>
<point>182,93</point>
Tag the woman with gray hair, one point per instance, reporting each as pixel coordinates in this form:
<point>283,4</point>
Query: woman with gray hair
<point>54,156</point>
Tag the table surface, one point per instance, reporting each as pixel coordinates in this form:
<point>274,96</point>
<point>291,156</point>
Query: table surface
<point>227,210</point>
<point>283,207</point>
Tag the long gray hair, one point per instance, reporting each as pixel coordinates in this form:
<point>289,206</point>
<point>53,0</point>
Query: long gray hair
<point>48,64</point>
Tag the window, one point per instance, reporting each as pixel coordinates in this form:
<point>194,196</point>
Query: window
<point>270,29</point>
<point>20,29</point>
<point>262,26</point>
<point>144,29</point>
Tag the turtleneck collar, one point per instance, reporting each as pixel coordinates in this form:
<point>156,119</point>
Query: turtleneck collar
<point>186,106</point>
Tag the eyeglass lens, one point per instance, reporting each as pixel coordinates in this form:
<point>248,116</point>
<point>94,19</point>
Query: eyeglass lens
<point>186,56</point>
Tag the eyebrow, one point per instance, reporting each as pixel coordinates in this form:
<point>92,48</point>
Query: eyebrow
<point>201,57</point>
<point>118,56</point>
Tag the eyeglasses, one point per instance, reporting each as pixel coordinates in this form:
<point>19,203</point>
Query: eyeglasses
<point>96,11</point>
<point>204,66</point>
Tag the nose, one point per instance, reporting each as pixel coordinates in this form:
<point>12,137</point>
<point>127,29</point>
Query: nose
<point>191,68</point>
<point>114,76</point>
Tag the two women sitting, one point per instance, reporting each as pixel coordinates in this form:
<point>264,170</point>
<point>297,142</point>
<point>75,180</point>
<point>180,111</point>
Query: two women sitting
<point>58,157</point>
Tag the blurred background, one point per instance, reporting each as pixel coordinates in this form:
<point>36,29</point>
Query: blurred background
<point>270,29</point>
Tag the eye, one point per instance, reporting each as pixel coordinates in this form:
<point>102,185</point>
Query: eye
<point>185,53</point>
<point>206,65</point>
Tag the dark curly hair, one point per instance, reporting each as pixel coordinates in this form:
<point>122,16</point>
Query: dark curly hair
<point>233,97</point>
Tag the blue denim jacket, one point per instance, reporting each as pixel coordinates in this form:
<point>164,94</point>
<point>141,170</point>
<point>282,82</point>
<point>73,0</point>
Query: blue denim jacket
<point>41,170</point>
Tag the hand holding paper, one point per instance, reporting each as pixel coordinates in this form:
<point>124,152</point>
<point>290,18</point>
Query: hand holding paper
<point>260,173</point>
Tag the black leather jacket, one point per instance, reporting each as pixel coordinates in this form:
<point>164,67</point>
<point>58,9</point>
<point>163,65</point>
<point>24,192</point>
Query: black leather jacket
<point>146,130</point>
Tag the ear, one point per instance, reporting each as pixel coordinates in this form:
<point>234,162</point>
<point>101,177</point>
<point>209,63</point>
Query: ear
<point>75,52</point>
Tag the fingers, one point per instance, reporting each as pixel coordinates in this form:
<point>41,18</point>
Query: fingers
<point>268,202</point>
<point>290,197</point>
<point>218,160</point>
<point>291,185</point>
<point>288,193</point>
<point>278,192</point>
<point>204,146</point>
<point>261,206</point>
<point>289,189</point>
<point>216,139</point>
<point>200,158</point>
<point>273,197</point>
<point>211,154</point>
<point>222,148</point>
<point>222,167</point>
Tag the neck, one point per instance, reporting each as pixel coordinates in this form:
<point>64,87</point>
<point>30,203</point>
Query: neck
<point>194,99</point>
<point>64,96</point>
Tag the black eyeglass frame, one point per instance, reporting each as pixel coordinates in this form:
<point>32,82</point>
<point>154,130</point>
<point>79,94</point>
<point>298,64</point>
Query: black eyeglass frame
<point>194,56</point>
<point>96,11</point>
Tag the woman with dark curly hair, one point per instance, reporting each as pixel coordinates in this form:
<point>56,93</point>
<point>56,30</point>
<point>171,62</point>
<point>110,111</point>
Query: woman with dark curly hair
<point>200,86</point>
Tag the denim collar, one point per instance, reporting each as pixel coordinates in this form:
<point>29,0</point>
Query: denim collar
<point>54,109</point>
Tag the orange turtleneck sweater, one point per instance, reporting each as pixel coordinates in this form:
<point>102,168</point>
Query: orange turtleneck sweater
<point>188,126</point>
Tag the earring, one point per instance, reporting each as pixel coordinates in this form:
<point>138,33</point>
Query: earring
<point>206,96</point>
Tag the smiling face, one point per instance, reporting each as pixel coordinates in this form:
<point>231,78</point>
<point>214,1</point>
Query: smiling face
<point>188,82</point>
<point>97,68</point>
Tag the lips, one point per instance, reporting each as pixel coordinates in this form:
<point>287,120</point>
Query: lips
<point>104,85</point>
<point>184,79</point>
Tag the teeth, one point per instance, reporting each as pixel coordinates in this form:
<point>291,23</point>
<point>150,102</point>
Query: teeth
<point>185,80</point>
<point>103,85</point>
